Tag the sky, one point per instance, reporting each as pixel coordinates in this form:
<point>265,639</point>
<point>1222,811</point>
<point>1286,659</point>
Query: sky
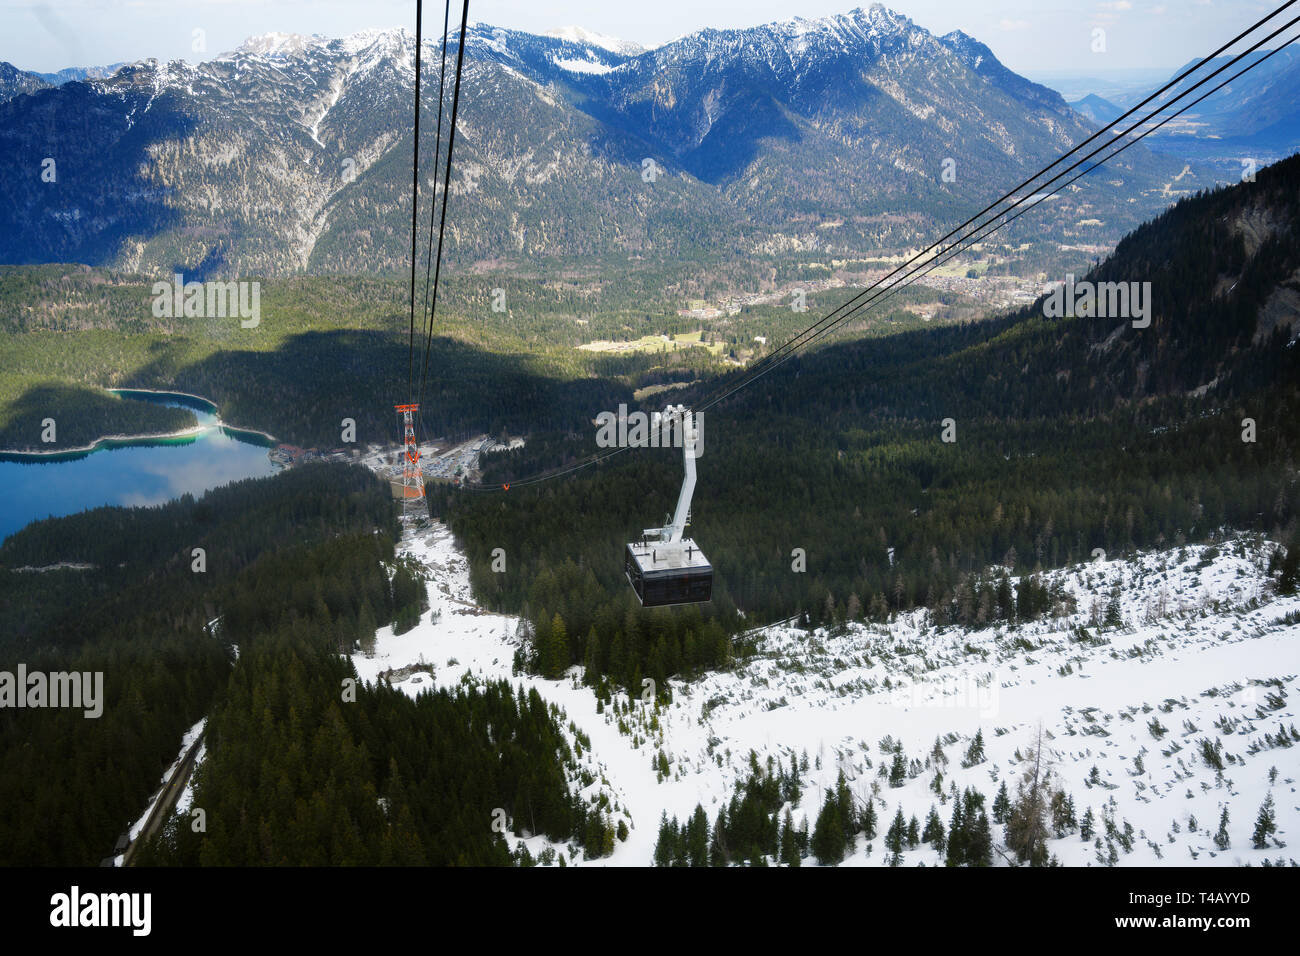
<point>1030,36</point>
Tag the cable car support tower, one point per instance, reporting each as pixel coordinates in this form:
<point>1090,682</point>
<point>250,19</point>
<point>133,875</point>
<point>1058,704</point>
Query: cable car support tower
<point>412,476</point>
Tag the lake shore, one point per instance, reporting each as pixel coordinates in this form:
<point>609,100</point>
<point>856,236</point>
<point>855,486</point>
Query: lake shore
<point>108,440</point>
<point>118,440</point>
<point>164,391</point>
<point>206,401</point>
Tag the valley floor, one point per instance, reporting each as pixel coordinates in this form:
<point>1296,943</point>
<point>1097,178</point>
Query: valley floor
<point>1205,669</point>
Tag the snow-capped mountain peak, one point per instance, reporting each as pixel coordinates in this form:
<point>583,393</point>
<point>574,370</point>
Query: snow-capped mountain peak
<point>575,34</point>
<point>277,44</point>
<point>874,22</point>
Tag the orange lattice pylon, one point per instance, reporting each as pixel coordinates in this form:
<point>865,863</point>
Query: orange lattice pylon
<point>412,477</point>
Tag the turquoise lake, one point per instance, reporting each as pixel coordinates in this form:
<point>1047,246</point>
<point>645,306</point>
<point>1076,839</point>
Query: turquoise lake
<point>134,472</point>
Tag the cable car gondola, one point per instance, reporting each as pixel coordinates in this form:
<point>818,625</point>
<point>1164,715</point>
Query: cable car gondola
<point>664,568</point>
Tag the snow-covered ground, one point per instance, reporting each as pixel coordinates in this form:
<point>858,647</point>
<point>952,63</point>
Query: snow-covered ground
<point>1205,652</point>
<point>437,461</point>
<point>187,795</point>
<point>461,641</point>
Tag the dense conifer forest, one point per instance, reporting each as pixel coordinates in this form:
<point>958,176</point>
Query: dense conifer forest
<point>297,569</point>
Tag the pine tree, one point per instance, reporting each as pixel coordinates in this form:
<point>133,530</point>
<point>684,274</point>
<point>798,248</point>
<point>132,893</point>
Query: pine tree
<point>1265,824</point>
<point>1289,580</point>
<point>895,837</point>
<point>854,611</point>
<point>665,846</point>
<point>1114,613</point>
<point>879,608</point>
<point>591,659</point>
<point>979,852</point>
<point>718,841</point>
<point>619,657</point>
<point>848,820</point>
<point>1001,804</point>
<point>868,819</point>
<point>697,838</point>
<point>789,842</point>
<point>1027,831</point>
<point>557,648</point>
<point>975,752</point>
<point>366,629</point>
<point>791,786</point>
<point>933,833</point>
<point>828,833</point>
<point>607,838</point>
<point>956,855</point>
<point>898,768</point>
<point>1063,820</point>
<point>1221,838</point>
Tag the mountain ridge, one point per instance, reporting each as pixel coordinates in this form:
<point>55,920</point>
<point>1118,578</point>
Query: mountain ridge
<point>291,153</point>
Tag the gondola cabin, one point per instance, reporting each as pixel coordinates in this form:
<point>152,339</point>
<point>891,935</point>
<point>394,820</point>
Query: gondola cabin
<point>667,574</point>
<point>665,568</point>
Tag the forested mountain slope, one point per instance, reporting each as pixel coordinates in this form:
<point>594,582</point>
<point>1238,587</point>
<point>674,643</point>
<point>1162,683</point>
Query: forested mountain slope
<point>1070,435</point>
<point>293,571</point>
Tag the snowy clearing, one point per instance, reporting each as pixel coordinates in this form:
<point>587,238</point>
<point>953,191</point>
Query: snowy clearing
<point>1204,670</point>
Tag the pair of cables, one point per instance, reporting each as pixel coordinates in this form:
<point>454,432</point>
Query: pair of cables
<point>995,216</point>
<point>433,261</point>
